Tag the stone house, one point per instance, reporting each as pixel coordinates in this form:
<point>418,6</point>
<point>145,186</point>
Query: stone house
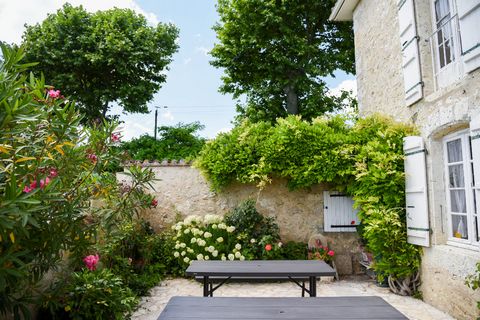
<point>419,62</point>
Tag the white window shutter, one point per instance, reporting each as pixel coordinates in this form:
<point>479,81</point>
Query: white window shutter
<point>338,213</point>
<point>412,76</point>
<point>475,138</point>
<point>418,230</point>
<point>469,22</point>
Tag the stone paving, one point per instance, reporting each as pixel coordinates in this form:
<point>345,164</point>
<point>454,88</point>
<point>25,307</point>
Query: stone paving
<point>151,306</point>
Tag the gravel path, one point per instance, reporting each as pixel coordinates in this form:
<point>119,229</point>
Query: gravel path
<point>151,306</point>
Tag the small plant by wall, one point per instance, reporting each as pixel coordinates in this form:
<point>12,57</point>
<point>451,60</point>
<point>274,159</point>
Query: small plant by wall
<point>364,159</point>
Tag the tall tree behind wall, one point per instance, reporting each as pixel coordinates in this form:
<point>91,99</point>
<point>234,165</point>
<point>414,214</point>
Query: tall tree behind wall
<point>276,53</point>
<point>103,57</point>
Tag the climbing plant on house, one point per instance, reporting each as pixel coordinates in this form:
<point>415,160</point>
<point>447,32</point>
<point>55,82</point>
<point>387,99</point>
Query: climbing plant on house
<point>364,159</point>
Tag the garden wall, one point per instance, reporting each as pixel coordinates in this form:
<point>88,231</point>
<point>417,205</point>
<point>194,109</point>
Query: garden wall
<point>181,190</point>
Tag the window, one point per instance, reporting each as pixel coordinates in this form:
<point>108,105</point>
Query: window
<point>444,42</point>
<point>461,202</point>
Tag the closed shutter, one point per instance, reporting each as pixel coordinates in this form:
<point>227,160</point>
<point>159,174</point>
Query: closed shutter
<point>412,76</point>
<point>339,214</point>
<point>475,138</point>
<point>418,230</point>
<point>469,21</point>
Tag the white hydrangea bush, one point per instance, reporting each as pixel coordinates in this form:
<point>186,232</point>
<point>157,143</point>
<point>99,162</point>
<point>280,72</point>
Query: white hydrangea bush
<point>205,238</point>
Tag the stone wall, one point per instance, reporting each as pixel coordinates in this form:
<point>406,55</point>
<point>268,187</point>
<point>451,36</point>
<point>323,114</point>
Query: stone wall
<point>440,112</point>
<point>181,190</point>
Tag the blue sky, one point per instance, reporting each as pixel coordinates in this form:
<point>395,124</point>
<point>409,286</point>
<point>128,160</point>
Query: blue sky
<point>191,91</point>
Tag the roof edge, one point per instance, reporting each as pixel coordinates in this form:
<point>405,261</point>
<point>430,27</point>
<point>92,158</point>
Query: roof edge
<point>343,10</point>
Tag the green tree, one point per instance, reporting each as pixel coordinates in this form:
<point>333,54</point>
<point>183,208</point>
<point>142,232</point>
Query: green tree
<point>276,53</point>
<point>103,57</point>
<point>175,142</point>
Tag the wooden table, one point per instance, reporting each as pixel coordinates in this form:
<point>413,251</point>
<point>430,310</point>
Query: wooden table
<point>261,269</point>
<point>199,308</point>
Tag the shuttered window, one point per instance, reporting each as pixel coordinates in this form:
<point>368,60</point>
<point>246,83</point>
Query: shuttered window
<point>462,171</point>
<point>412,77</point>
<point>339,214</point>
<point>469,22</point>
<point>418,230</point>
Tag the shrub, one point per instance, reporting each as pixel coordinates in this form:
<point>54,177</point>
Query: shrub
<point>205,238</point>
<point>473,282</point>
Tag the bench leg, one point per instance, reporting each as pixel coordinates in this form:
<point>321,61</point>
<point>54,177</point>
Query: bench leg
<point>303,289</point>
<point>206,287</point>
<point>313,286</point>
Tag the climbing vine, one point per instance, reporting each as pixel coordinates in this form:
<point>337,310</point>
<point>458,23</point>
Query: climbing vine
<point>363,158</point>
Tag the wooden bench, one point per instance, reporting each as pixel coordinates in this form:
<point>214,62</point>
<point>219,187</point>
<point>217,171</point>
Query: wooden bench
<point>261,308</point>
<point>300,281</point>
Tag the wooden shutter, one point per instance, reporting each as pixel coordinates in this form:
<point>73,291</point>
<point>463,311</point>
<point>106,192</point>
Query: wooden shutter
<point>475,138</point>
<point>338,213</point>
<point>469,22</point>
<point>412,76</point>
<point>418,230</point>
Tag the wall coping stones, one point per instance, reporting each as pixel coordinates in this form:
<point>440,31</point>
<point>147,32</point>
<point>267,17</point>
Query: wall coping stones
<point>157,163</point>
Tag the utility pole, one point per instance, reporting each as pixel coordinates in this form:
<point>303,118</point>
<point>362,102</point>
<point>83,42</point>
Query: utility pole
<point>156,117</point>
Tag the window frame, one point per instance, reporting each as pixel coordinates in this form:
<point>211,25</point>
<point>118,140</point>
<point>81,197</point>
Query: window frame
<point>471,242</point>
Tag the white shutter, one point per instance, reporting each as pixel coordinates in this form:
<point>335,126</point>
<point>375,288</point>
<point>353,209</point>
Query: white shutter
<point>469,22</point>
<point>475,138</point>
<point>412,76</point>
<point>338,213</point>
<point>418,230</point>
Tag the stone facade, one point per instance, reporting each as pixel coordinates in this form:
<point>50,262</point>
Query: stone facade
<point>440,112</point>
<point>181,191</point>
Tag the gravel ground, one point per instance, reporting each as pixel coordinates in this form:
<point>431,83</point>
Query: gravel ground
<point>151,306</point>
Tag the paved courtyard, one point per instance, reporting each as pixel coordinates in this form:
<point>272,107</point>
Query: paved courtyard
<point>151,306</point>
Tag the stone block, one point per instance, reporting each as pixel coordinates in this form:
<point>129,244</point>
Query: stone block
<point>344,264</point>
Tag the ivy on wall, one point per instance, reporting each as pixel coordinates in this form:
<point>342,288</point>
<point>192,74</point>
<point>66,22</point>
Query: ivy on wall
<point>364,158</point>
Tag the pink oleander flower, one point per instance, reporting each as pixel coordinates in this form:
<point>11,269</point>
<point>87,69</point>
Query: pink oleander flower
<point>91,261</point>
<point>92,157</point>
<point>44,182</point>
<point>116,137</point>
<point>28,189</point>
<point>331,253</point>
<point>268,247</point>
<point>154,203</point>
<point>53,173</point>
<point>54,94</point>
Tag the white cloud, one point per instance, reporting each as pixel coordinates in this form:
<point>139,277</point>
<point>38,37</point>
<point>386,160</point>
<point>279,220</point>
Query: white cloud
<point>187,61</point>
<point>346,85</point>
<point>14,14</point>
<point>203,50</point>
<point>133,129</point>
<point>167,115</point>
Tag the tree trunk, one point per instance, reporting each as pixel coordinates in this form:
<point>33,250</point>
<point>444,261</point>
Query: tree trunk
<point>105,109</point>
<point>292,99</point>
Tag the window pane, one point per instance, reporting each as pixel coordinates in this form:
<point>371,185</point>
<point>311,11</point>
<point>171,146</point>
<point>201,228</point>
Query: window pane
<point>459,227</point>
<point>458,201</point>
<point>454,151</point>
<point>455,174</point>
<point>441,10</point>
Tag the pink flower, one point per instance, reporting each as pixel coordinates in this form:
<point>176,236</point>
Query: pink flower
<point>331,253</point>
<point>28,189</point>
<point>53,173</point>
<point>54,94</point>
<point>268,247</point>
<point>154,203</point>
<point>116,137</point>
<point>44,183</point>
<point>92,157</point>
<point>91,261</point>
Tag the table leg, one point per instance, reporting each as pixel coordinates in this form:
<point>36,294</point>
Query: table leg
<point>313,286</point>
<point>206,287</point>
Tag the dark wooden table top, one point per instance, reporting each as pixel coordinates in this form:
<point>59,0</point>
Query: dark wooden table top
<point>235,308</point>
<point>258,268</point>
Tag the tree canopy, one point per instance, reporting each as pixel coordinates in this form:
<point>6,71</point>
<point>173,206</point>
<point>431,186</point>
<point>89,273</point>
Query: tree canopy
<point>103,57</point>
<point>276,53</point>
<point>175,142</point>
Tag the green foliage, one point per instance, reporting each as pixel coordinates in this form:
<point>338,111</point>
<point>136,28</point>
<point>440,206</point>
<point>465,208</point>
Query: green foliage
<point>98,295</point>
<point>103,57</point>
<point>276,53</point>
<point>363,158</point>
<point>473,281</point>
<point>175,142</point>
<point>321,253</point>
<point>294,251</point>
<point>51,170</point>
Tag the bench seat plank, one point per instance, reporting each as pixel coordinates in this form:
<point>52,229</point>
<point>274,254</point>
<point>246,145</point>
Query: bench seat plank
<point>232,308</point>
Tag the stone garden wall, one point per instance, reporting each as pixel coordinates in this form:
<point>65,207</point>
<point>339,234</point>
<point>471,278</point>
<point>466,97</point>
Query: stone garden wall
<point>181,190</point>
